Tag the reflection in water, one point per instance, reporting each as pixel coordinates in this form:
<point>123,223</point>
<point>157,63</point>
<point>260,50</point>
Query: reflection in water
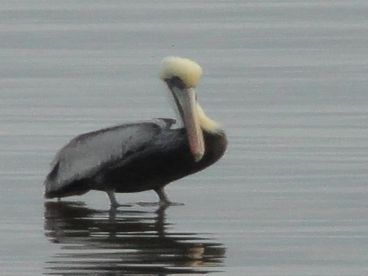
<point>123,241</point>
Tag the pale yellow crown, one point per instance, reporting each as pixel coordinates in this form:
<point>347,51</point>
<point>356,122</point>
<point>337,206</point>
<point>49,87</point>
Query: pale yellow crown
<point>185,69</point>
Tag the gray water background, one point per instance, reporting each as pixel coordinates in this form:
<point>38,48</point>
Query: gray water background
<point>287,80</point>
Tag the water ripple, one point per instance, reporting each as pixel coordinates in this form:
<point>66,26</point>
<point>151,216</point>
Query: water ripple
<point>124,241</point>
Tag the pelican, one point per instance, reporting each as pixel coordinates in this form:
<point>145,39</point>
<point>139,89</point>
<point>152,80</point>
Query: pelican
<point>146,155</point>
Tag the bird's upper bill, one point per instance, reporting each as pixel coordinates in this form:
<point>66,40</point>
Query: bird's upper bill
<point>188,71</point>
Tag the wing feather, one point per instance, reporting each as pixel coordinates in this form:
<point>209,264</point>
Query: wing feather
<point>87,153</point>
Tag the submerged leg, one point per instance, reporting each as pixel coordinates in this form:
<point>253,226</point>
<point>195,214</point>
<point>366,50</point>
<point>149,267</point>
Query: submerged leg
<point>113,201</point>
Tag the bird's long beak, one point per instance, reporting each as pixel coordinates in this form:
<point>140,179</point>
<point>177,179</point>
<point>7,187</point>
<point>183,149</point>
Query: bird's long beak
<point>185,99</point>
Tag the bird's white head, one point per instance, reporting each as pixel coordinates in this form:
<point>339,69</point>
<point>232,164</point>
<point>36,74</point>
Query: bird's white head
<point>188,71</point>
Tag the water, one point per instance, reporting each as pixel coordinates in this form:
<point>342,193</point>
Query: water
<point>287,79</point>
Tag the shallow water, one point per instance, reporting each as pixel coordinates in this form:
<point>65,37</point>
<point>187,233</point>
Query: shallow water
<point>287,79</point>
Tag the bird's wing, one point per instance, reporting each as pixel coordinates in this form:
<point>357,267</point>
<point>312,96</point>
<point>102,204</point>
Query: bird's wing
<point>87,153</point>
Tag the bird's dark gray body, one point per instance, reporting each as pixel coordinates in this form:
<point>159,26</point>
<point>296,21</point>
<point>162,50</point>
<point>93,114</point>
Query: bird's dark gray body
<point>129,158</point>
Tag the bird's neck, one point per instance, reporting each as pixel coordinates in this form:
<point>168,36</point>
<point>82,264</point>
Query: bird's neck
<point>206,123</point>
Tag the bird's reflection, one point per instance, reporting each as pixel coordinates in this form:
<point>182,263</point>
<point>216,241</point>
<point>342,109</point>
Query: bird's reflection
<point>123,242</point>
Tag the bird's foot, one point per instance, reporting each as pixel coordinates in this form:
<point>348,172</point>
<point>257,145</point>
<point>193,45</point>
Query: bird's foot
<point>118,205</point>
<point>160,203</point>
<point>145,204</point>
<point>169,203</point>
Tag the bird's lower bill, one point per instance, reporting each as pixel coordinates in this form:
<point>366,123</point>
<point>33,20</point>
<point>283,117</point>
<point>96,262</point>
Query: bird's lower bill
<point>186,101</point>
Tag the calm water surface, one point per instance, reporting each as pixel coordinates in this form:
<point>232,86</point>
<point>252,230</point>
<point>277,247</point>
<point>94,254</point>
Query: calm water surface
<point>288,81</point>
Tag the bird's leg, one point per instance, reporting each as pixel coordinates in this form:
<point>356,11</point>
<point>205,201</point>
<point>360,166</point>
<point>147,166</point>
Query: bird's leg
<point>164,200</point>
<point>113,201</point>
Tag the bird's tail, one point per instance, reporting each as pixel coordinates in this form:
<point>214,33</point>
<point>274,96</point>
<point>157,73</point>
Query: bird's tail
<point>51,187</point>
